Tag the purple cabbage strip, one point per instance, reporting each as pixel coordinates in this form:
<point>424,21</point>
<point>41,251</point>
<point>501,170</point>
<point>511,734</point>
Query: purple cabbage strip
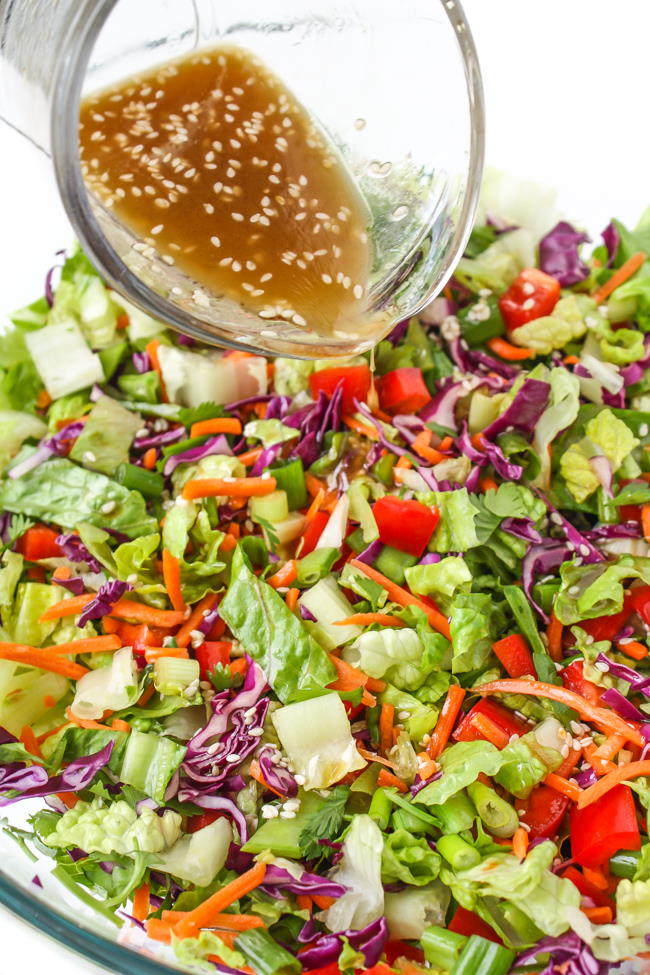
<point>623,672</point>
<point>75,585</point>
<point>141,362</point>
<point>314,421</point>
<point>278,407</point>
<point>278,778</point>
<point>398,332</point>
<point>523,413</point>
<point>55,445</point>
<point>306,614</point>
<point>218,803</point>
<point>504,468</point>
<point>619,703</point>
<point>160,439</point>
<point>626,529</point>
<point>185,340</point>
<point>585,778</point>
<point>75,550</point>
<point>102,604</point>
<point>76,776</point>
<point>278,881</point>
<point>567,953</point>
<point>372,552</point>
<point>216,445</point>
<point>441,408</point>
<point>369,941</point>
<point>208,621</point>
<point>266,458</point>
<point>576,540</point>
<point>523,528</point>
<point>541,559</point>
<point>559,257</point>
<point>611,240</point>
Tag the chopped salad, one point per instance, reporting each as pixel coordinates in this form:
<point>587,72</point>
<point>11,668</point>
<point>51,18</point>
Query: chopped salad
<point>341,667</point>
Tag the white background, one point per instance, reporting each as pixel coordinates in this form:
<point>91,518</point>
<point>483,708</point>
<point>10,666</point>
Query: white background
<point>567,94</point>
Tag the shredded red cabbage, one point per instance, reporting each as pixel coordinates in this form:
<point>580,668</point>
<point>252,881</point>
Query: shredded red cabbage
<point>32,782</point>
<point>559,257</point>
<point>611,240</point>
<point>216,445</point>
<point>326,949</point>
<point>102,604</point>
<point>75,550</point>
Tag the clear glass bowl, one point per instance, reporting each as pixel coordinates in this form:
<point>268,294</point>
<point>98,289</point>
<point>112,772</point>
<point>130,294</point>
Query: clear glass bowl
<point>395,85</point>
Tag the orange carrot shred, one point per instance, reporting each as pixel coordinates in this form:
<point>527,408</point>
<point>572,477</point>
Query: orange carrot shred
<point>367,619</point>
<point>141,907</point>
<point>386,721</point>
<point>387,780</point>
<point>619,277</point>
<point>404,598</point>
<point>196,616</point>
<point>633,649</point>
<point>217,425</point>
<point>622,773</point>
<point>203,915</point>
<point>172,580</point>
<point>570,789</point>
<point>446,721</point>
<point>237,487</point>
<point>284,576</point>
<point>554,634</point>
<point>508,351</point>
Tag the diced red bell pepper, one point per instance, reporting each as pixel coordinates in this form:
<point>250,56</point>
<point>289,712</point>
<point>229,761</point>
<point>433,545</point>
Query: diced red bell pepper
<point>606,826</point>
<point>600,897</point>
<point>210,654</point>
<point>379,969</point>
<point>640,602</point>
<point>39,542</point>
<point>405,525</point>
<point>574,680</point>
<point>401,949</point>
<point>500,715</point>
<point>544,811</point>
<point>313,532</point>
<point>606,627</point>
<point>532,295</point>
<point>195,823</point>
<point>403,390</point>
<point>467,923</point>
<point>513,653</point>
<point>355,379</point>
<point>331,969</point>
<point>630,512</point>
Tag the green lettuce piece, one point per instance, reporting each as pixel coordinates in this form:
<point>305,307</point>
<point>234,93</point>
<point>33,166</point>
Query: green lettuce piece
<point>578,474</point>
<point>31,601</point>
<point>422,716</point>
<point>461,764</point>
<point>588,591</point>
<point>106,438</point>
<point>409,859</point>
<point>358,493</point>
<point>131,558</point>
<point>193,953</point>
<point>456,531</point>
<point>561,412</point>
<point>291,376</point>
<point>475,621</point>
<point>613,436</point>
<point>143,386</point>
<point>258,617</point>
<point>16,427</point>
<point>270,432</point>
<point>633,906</point>
<point>116,828</point>
<point>522,769</point>
<point>440,579</point>
<point>82,295</point>
<point>530,885</point>
<point>61,492</point>
<point>176,530</point>
<point>399,655</point>
<point>499,264</point>
<point>65,407</point>
<point>359,869</point>
<point>568,322</point>
<point>10,573</point>
<point>622,346</point>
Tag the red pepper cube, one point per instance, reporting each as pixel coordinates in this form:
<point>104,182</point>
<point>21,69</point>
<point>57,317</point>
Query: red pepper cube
<point>405,525</point>
<point>355,382</point>
<point>210,654</point>
<point>532,295</point>
<point>606,826</point>
<point>514,655</point>
<point>501,716</point>
<point>403,390</point>
<point>39,542</point>
<point>544,811</point>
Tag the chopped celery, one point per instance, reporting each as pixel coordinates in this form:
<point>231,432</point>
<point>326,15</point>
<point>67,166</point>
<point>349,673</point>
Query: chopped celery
<point>174,675</point>
<point>486,957</point>
<point>288,530</point>
<point>22,696</point>
<point>392,563</point>
<point>149,763</point>
<point>198,857</point>
<point>441,947</point>
<point>271,507</point>
<point>281,836</point>
<point>290,477</point>
<point>148,483</point>
<point>266,956</point>
<point>327,603</point>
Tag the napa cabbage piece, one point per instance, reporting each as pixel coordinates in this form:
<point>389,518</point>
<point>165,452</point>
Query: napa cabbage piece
<point>15,428</point>
<point>398,655</point>
<point>359,869</point>
<point>108,688</point>
<point>198,857</point>
<point>414,909</point>
<point>316,736</point>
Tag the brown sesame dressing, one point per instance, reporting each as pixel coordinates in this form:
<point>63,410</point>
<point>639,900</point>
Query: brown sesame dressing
<point>214,158</point>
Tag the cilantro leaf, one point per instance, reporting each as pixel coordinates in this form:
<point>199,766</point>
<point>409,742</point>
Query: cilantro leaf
<point>270,532</point>
<point>324,824</point>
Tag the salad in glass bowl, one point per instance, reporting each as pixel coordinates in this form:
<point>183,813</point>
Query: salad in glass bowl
<point>340,667</point>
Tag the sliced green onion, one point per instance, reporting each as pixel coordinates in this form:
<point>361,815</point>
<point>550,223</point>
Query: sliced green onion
<point>290,477</point>
<point>457,814</point>
<point>607,511</point>
<point>380,808</point>
<point>148,483</point>
<point>459,854</point>
<point>486,957</point>
<point>625,863</point>
<point>415,811</point>
<point>270,507</point>
<point>442,948</point>
<point>383,469</point>
<point>264,955</point>
<point>499,816</point>
<point>355,541</point>
<point>523,614</point>
<point>404,819</point>
<point>315,566</point>
<point>392,563</point>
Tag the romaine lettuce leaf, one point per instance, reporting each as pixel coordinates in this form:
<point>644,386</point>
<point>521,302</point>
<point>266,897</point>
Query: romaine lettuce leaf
<point>461,764</point>
<point>456,530</point>
<point>408,859</point>
<point>441,579</point>
<point>588,591</point>
<point>106,438</point>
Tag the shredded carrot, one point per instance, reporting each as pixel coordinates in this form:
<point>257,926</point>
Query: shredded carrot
<point>69,799</point>
<point>66,607</point>
<point>596,877</point>
<point>619,277</point>
<point>599,915</point>
<point>570,360</point>
<point>304,902</point>
<point>422,447</point>
<point>124,608</point>
<point>623,773</point>
<point>149,459</point>
<point>86,722</point>
<point>520,843</point>
<point>487,484</point>
<point>229,543</point>
<point>284,576</point>
<point>255,772</point>
<point>490,730</point>
<point>348,676</point>
<point>31,657</point>
<point>599,765</point>
<point>291,599</point>
<point>322,901</point>
<point>63,572</point>
<point>237,922</point>
<point>446,443</point>
<point>140,909</point>
<point>249,457</point>
<point>159,930</point>
<point>386,721</point>
<point>373,684</point>
<point>446,721</point>
<point>367,619</point>
<point>314,485</point>
<point>118,725</point>
<point>373,757</point>
<point>603,718</point>
<point>404,598</point>
<point>202,916</point>
<point>237,487</point>
<point>633,649</point>
<point>151,654</point>
<point>219,425</point>
<point>48,701</point>
<point>238,666</point>
<point>147,694</point>
<point>172,580</point>
<point>569,763</point>
<point>361,428</point>
<point>62,424</point>
<point>91,644</point>
<point>505,350</point>
<point>570,789</point>
<point>152,351</point>
<point>28,739</point>
<point>426,765</point>
<point>387,780</point>
<point>554,635</point>
<point>645,521</point>
<point>43,399</point>
<point>403,464</point>
<point>196,616</point>
<point>314,507</point>
<point>609,748</point>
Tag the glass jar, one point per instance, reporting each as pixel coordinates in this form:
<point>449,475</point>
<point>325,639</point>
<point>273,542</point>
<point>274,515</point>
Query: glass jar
<point>396,87</point>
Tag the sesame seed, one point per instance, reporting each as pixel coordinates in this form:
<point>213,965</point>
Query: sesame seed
<point>108,507</point>
<point>233,758</point>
